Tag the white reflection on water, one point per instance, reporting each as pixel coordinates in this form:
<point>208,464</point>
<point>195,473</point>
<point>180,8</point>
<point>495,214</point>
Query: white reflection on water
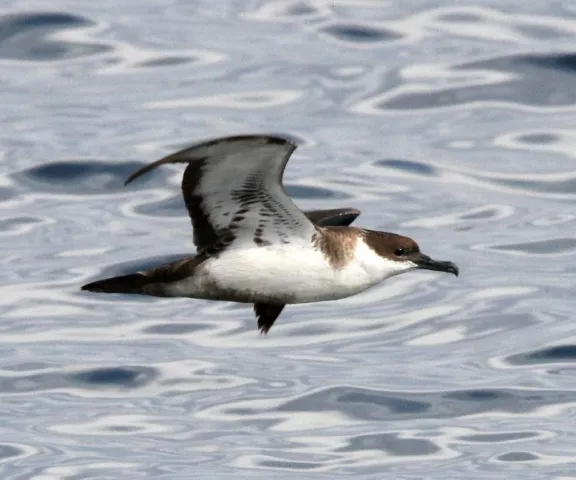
<point>451,125</point>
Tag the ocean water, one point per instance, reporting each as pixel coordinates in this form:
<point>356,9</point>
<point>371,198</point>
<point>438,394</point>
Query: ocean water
<point>450,122</point>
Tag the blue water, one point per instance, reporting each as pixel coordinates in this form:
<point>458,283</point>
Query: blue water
<point>453,125</point>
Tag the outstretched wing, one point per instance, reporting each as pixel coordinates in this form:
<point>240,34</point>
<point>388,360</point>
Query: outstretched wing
<point>233,190</point>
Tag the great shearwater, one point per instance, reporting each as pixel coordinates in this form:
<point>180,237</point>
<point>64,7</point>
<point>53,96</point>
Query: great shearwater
<point>253,243</point>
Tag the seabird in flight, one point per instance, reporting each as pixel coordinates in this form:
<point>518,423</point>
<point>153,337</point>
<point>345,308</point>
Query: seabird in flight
<point>254,245</point>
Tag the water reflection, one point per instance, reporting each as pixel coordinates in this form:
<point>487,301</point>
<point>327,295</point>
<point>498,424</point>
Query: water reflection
<point>30,37</point>
<point>449,124</point>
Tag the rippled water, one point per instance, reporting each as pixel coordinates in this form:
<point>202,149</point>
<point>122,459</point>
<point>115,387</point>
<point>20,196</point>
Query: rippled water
<point>453,125</point>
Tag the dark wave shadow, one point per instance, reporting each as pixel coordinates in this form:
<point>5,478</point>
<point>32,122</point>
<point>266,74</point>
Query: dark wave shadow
<point>358,33</point>
<point>125,377</point>
<point>555,354</point>
<point>289,11</point>
<point>311,193</point>
<point>169,207</point>
<point>176,328</point>
<point>565,185</point>
<point>498,437</point>
<point>15,225</point>
<point>167,61</point>
<point>391,444</point>
<point>543,138</point>
<point>408,166</point>
<point>564,62</point>
<point>373,405</point>
<point>85,177</point>
<point>558,184</point>
<point>9,451</point>
<point>6,193</point>
<point>543,80</point>
<point>27,37</point>
<point>517,457</point>
<point>542,247</point>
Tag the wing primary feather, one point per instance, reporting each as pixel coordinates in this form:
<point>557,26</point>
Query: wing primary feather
<point>233,190</point>
<point>146,169</point>
<point>180,156</point>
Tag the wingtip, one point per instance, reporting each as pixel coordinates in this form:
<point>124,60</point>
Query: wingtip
<point>269,138</point>
<point>132,177</point>
<point>280,140</point>
<point>145,169</point>
<point>174,157</point>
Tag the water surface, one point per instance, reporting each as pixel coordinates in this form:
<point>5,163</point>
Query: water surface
<point>452,125</point>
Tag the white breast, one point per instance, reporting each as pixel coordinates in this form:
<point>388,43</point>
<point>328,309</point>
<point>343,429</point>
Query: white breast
<point>299,272</point>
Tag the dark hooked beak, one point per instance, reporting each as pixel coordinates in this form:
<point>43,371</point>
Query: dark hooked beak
<point>426,263</point>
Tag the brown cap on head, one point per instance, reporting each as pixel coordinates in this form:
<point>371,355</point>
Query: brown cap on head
<point>391,245</point>
<point>403,249</point>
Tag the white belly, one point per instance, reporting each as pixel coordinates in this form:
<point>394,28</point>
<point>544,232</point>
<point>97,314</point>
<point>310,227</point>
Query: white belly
<point>302,274</point>
<point>284,274</point>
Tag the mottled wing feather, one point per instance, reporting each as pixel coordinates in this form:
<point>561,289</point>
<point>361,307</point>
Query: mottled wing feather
<point>336,217</point>
<point>267,314</point>
<point>233,190</point>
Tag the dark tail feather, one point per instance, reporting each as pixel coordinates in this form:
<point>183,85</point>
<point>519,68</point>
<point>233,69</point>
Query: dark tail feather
<point>133,283</point>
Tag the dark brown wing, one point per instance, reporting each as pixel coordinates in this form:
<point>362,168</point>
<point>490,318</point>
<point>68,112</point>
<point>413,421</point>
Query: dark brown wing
<point>267,315</point>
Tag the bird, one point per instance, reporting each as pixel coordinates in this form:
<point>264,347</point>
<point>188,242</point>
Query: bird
<point>255,246</point>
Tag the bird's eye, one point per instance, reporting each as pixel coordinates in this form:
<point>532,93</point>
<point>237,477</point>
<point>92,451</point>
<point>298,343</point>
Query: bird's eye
<point>399,252</point>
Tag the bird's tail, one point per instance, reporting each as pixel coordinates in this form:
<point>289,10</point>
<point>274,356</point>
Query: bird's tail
<point>133,283</point>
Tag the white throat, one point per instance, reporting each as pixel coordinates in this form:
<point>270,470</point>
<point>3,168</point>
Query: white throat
<point>379,268</point>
